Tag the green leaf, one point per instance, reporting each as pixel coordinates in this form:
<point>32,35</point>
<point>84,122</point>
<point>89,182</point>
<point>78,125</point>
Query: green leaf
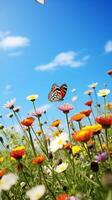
<point>109,197</point>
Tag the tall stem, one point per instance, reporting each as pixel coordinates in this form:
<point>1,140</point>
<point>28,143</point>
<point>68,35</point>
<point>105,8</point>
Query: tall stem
<point>47,184</point>
<point>32,144</point>
<point>100,142</point>
<point>40,125</point>
<point>68,126</point>
<point>105,105</point>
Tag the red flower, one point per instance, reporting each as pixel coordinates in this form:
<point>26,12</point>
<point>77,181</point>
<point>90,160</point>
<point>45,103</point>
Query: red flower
<point>88,103</point>
<point>18,152</point>
<point>62,197</point>
<point>109,72</point>
<point>106,122</point>
<point>86,112</point>
<point>28,121</point>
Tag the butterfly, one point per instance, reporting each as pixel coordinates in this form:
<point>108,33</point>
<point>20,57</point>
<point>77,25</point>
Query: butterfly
<point>57,93</point>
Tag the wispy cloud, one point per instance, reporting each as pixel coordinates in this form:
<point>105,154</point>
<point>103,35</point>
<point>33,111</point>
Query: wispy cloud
<point>108,47</point>
<point>64,59</point>
<point>9,42</point>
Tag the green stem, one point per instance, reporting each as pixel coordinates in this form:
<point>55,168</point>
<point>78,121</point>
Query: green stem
<point>68,126</point>
<point>32,144</point>
<point>47,186</point>
<point>25,134</point>
<point>41,145</point>
<point>100,142</point>
<point>105,105</point>
<point>87,151</point>
<point>39,123</point>
<point>89,120</point>
<point>80,125</point>
<point>106,136</point>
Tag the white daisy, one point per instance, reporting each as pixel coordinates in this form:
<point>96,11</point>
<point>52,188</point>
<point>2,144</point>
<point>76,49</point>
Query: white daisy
<point>103,92</point>
<point>58,142</point>
<point>93,85</point>
<point>36,192</point>
<point>61,168</point>
<point>7,181</point>
<point>32,97</point>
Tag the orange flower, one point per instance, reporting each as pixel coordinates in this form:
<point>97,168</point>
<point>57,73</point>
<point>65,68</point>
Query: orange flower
<point>28,121</point>
<point>82,135</point>
<point>39,159</point>
<point>56,123</point>
<point>88,103</point>
<point>62,197</point>
<point>67,145</point>
<point>77,117</point>
<point>86,112</point>
<point>90,143</point>
<point>2,172</point>
<point>18,152</point>
<point>39,132</point>
<point>106,122</point>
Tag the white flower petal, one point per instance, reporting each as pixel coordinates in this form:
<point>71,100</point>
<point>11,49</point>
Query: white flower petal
<point>36,192</point>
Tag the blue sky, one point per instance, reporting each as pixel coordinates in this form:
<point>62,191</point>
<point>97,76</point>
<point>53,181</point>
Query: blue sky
<point>33,38</point>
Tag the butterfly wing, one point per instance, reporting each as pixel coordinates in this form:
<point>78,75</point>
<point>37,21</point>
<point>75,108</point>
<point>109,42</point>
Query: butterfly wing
<point>55,93</point>
<point>54,86</point>
<point>63,90</point>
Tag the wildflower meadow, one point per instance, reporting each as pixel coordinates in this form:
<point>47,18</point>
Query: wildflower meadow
<point>70,162</point>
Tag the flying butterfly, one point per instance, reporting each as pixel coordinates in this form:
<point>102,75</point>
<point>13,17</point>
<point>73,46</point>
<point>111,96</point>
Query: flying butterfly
<point>57,93</point>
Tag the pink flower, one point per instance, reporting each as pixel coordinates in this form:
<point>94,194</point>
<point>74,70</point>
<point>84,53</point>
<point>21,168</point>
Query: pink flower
<point>100,157</point>
<point>38,113</point>
<point>88,92</point>
<point>73,198</point>
<point>10,104</point>
<point>65,108</point>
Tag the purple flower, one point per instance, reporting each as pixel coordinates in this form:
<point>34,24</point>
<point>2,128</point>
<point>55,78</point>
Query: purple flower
<point>100,157</point>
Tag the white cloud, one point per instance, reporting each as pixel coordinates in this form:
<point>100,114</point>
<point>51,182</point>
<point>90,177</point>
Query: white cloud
<point>10,42</point>
<point>108,46</point>
<point>64,59</point>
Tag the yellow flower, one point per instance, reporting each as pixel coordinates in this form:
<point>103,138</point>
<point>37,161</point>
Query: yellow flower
<point>76,149</point>
<point>109,106</point>
<point>56,133</point>
<point>19,148</point>
<point>96,128</point>
<point>38,132</point>
<point>1,159</point>
<point>32,97</point>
